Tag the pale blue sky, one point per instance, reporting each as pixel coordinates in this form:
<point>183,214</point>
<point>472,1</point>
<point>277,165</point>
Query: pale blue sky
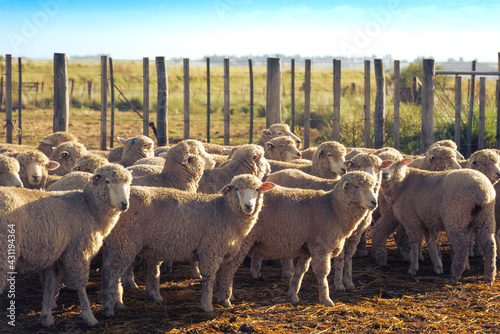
<point>134,29</point>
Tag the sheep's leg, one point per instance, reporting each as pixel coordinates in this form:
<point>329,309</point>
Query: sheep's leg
<point>361,247</point>
<point>153,279</point>
<point>50,289</point>
<point>255,266</point>
<point>414,251</point>
<point>287,268</point>
<point>128,278</point>
<point>350,247</point>
<point>301,267</point>
<point>459,242</point>
<point>489,248</point>
<point>433,247</point>
<point>338,269</point>
<point>208,269</point>
<point>381,230</point>
<point>321,267</point>
<point>87,315</point>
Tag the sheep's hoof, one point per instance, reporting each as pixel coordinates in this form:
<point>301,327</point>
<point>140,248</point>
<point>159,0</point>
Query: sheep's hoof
<point>327,302</point>
<point>48,321</point>
<point>438,270</point>
<point>454,281</point>
<point>226,303</point>
<point>96,325</point>
<point>294,300</point>
<point>412,272</point>
<point>109,313</point>
<point>349,285</point>
<point>340,288</point>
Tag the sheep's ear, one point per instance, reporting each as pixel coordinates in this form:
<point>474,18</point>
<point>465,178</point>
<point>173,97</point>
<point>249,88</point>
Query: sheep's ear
<point>163,155</point>
<point>345,185</point>
<point>108,149</point>
<point>95,178</point>
<point>459,155</point>
<point>320,151</point>
<point>386,164</point>
<point>266,186</point>
<point>52,165</point>
<point>75,169</point>
<point>227,188</point>
<point>227,151</point>
<point>47,141</point>
<point>348,164</point>
<point>121,140</point>
<point>148,146</point>
<point>269,145</point>
<point>347,150</point>
<point>432,157</point>
<point>64,154</point>
<point>255,157</point>
<point>406,161</point>
<point>188,158</point>
<point>267,132</point>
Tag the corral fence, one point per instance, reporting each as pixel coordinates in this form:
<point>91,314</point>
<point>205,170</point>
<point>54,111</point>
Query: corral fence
<point>433,95</point>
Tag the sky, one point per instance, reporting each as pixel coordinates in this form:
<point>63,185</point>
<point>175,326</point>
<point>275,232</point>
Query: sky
<point>128,29</point>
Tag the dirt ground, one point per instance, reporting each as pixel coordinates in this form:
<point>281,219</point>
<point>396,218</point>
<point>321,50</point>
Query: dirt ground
<point>384,300</point>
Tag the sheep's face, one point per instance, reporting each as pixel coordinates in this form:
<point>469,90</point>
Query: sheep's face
<point>398,169</point>
<point>277,130</point>
<point>248,190</point>
<point>335,162</point>
<point>119,194</point>
<point>209,160</point>
<point>9,173</point>
<point>369,163</point>
<point>487,162</point>
<point>441,158</point>
<point>116,179</point>
<point>360,187</point>
<point>282,148</point>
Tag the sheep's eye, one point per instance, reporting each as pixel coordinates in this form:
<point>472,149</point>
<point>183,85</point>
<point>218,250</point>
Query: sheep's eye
<point>280,133</point>
<point>107,182</point>
<point>356,187</point>
<point>329,155</point>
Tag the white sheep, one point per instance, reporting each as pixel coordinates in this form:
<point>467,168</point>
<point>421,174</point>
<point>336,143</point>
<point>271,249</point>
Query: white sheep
<point>47,144</point>
<point>89,163</point>
<point>61,233</point>
<point>247,159</point>
<point>72,181</point>
<point>66,154</point>
<point>171,225</point>
<point>277,130</point>
<point>282,148</point>
<point>310,225</point>
<point>457,202</point>
<point>156,160</point>
<point>136,148</point>
<point>35,168</point>
<point>9,172</point>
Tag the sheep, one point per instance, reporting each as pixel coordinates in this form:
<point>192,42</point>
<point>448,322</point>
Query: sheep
<point>144,170</point>
<point>9,172</point>
<point>247,159</point>
<point>456,201</point>
<point>328,162</point>
<point>62,232</point>
<point>169,224</point>
<point>34,168</point>
<point>66,154</point>
<point>89,163</point>
<point>282,148</point>
<point>156,160</point>
<point>12,150</point>
<point>437,158</point>
<point>47,144</point>
<point>309,224</point>
<point>160,150</point>
<point>72,181</point>
<point>216,148</point>
<point>136,148</point>
<point>276,130</point>
<point>488,162</point>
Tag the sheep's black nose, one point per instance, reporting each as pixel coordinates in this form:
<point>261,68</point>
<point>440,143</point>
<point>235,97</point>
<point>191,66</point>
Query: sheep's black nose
<point>248,207</point>
<point>124,205</point>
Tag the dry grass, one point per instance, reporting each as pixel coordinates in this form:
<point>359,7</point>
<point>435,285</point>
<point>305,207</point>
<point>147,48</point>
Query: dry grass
<point>383,301</point>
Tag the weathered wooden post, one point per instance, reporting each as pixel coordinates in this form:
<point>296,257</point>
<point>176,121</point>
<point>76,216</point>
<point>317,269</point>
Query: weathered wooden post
<point>208,100</point>
<point>61,94</point>
<point>336,99</point>
<point>273,91</point>
<point>293,95</point>
<point>145,96</point>
<point>162,102</point>
<point>470,117</point>
<point>8,98</point>
<point>482,99</point>
<point>428,104</point>
<point>104,99</point>
<point>20,101</point>
<point>186,97</point>
<point>379,116</point>
<point>112,84</point>
<point>307,103</point>
<point>250,71</point>
<point>227,105</point>
<point>366,132</point>
<point>458,109</point>
<point>396,104</point>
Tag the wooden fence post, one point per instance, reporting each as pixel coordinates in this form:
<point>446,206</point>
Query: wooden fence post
<point>227,105</point>
<point>162,102</point>
<point>104,99</point>
<point>8,98</point>
<point>208,100</point>
<point>379,116</point>
<point>470,117</point>
<point>293,94</point>
<point>145,96</point>
<point>61,95</point>
<point>186,97</point>
<point>1,86</point>
<point>497,146</point>
<point>112,84</point>
<point>250,71</point>
<point>396,104</point>
<point>273,91</point>
<point>307,103</point>
<point>428,104</point>
<point>20,101</point>
<point>482,99</point>
<point>458,110</point>
<point>336,99</point>
<point>367,122</point>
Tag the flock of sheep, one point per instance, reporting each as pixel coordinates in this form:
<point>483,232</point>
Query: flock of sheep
<point>213,206</point>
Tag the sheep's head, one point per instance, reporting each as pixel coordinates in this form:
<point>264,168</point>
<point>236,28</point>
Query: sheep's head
<point>136,148</point>
<point>487,162</point>
<point>440,158</point>
<point>451,144</point>
<point>359,187</point>
<point>277,130</point>
<point>89,163</point>
<point>369,163</point>
<point>282,148</point>
<point>9,172</point>
<point>116,180</point>
<point>196,147</point>
<point>396,170</point>
<point>47,144</point>
<point>330,157</point>
<point>66,154</point>
<point>246,190</point>
<point>34,168</point>
<point>251,157</point>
